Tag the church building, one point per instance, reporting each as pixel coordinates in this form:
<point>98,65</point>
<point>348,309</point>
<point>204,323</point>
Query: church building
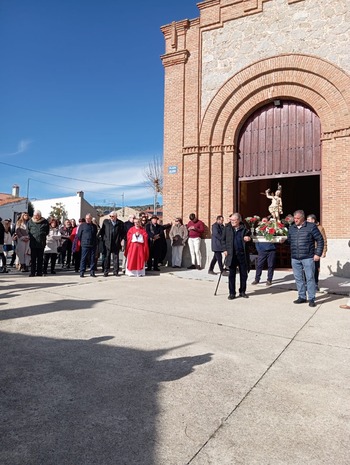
<point>257,94</point>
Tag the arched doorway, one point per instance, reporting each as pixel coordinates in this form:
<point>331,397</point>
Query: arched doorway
<point>280,143</point>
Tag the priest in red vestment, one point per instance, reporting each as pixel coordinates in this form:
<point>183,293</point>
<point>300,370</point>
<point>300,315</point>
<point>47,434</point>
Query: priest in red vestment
<point>136,250</point>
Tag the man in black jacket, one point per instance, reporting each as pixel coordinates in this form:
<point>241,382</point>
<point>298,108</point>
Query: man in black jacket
<point>112,233</point>
<point>154,231</point>
<point>234,239</point>
<point>302,237</point>
<point>38,229</point>
<point>87,235</point>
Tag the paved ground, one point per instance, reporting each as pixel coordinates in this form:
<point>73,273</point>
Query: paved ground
<point>159,371</point>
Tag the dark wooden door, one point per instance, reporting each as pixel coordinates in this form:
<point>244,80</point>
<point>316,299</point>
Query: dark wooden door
<point>282,140</point>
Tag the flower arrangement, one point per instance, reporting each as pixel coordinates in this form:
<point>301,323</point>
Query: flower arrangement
<point>271,228</point>
<point>252,220</point>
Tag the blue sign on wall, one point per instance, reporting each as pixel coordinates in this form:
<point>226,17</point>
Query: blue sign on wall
<point>172,169</point>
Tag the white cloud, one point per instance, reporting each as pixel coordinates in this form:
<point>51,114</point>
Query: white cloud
<point>22,147</point>
<point>111,181</point>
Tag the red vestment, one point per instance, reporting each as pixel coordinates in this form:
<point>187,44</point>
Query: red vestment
<point>136,252</point>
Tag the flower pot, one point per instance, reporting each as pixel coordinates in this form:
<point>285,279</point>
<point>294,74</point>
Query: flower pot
<point>277,239</point>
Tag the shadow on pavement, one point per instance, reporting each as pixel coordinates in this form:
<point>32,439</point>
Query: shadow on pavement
<point>45,308</point>
<point>81,402</point>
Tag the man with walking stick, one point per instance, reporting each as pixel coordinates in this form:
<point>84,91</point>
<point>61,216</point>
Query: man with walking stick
<point>234,239</point>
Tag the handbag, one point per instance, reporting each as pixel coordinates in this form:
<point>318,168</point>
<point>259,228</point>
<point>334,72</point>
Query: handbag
<point>177,240</point>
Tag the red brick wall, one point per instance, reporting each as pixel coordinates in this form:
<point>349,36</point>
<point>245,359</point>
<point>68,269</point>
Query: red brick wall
<point>203,146</point>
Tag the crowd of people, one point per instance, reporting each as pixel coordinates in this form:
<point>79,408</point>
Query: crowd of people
<point>36,244</point>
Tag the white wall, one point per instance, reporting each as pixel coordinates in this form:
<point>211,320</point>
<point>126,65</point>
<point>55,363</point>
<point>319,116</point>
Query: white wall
<point>76,206</point>
<point>11,209</point>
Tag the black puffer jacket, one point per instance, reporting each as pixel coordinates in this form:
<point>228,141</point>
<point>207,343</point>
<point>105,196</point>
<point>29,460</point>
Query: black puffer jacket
<point>38,230</point>
<point>302,241</point>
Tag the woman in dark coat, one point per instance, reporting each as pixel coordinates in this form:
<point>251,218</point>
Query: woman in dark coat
<point>217,230</point>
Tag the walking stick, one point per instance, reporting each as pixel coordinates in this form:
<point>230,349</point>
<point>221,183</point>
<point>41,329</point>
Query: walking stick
<point>218,283</point>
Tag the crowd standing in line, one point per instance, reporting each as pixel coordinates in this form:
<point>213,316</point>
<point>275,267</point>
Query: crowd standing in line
<point>36,242</point>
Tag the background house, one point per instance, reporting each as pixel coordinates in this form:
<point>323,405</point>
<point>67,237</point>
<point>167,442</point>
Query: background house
<point>122,213</point>
<point>12,204</point>
<point>75,206</point>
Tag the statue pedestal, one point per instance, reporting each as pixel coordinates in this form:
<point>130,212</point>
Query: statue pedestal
<point>278,239</point>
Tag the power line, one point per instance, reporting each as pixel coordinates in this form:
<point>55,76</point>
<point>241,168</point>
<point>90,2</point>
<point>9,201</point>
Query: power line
<point>68,189</point>
<point>72,179</point>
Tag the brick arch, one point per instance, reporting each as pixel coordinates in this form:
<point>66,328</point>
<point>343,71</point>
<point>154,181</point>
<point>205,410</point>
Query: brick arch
<point>312,80</point>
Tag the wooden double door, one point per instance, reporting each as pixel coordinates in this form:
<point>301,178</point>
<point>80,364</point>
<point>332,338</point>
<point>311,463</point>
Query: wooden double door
<point>280,143</point>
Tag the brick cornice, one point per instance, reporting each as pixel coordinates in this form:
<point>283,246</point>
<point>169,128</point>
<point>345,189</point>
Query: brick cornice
<point>215,12</point>
<point>337,134</point>
<point>201,149</point>
<point>181,27</point>
<point>175,58</point>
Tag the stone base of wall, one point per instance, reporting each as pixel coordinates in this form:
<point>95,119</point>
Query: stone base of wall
<point>337,261</point>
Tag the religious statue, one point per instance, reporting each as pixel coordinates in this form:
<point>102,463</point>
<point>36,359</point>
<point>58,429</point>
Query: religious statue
<point>275,207</point>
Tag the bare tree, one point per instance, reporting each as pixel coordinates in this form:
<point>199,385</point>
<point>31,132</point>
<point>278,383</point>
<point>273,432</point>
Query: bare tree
<point>153,175</point>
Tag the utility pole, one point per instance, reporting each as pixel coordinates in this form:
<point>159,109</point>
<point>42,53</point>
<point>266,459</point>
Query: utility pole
<point>27,202</point>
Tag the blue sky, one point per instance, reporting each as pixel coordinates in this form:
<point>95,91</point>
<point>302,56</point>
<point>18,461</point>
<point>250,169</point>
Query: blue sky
<point>81,95</point>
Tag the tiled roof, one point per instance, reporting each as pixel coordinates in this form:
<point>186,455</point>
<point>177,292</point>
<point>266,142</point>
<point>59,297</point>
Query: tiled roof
<point>8,198</point>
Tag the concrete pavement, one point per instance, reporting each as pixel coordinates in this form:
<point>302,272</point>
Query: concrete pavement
<point>159,371</point>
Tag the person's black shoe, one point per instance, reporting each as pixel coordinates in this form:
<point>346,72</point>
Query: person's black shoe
<point>244,295</point>
<point>148,269</point>
<point>231,297</point>
<point>156,269</point>
<point>53,272</point>
<point>299,301</point>
<point>105,274</point>
<point>211,272</point>
<point>39,274</point>
<point>255,282</point>
<point>312,303</point>
<point>31,275</point>
<point>82,275</point>
<point>192,267</point>
<point>268,283</point>
<point>92,275</point>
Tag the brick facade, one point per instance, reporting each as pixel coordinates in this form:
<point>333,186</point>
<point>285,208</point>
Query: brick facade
<point>236,57</point>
